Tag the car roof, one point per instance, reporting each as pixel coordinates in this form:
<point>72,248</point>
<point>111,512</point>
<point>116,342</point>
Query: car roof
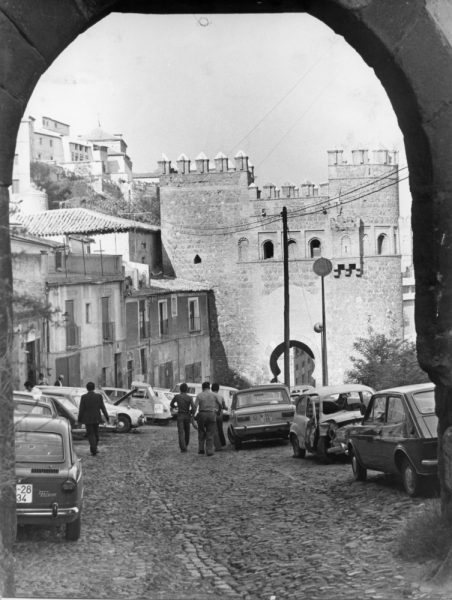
<point>409,389</point>
<point>324,390</point>
<point>33,423</point>
<point>268,386</point>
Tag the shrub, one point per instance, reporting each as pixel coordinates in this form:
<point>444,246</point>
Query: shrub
<point>426,536</point>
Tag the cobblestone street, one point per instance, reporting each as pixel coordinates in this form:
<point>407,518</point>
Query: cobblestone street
<point>255,524</point>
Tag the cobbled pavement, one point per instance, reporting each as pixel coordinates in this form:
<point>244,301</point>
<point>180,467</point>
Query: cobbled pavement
<point>254,525</point>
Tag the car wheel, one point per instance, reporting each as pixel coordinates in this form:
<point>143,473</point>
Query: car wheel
<point>237,443</point>
<point>231,436</point>
<point>359,472</point>
<point>124,425</point>
<point>410,479</point>
<point>297,451</point>
<point>322,446</point>
<point>73,530</point>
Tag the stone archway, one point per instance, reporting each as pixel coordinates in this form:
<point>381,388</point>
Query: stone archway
<point>409,46</point>
<point>279,350</point>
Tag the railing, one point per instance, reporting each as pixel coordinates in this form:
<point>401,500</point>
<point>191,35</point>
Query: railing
<point>108,331</point>
<point>145,330</point>
<point>72,335</point>
<point>194,324</point>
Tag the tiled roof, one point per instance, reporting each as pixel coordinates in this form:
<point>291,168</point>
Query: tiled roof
<point>66,221</point>
<point>179,285</point>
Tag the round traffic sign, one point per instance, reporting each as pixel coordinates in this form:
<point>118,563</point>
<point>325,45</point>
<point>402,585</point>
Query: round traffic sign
<point>322,267</point>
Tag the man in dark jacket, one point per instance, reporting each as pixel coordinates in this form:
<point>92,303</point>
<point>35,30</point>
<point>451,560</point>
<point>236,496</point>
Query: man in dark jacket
<point>185,412</point>
<point>90,413</point>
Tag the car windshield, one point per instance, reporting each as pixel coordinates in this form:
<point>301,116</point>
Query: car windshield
<point>260,397</point>
<point>343,401</point>
<point>38,447</point>
<point>32,409</point>
<point>425,401</point>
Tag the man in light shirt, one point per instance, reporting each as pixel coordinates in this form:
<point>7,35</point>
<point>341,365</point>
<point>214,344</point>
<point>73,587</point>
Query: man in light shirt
<point>207,404</point>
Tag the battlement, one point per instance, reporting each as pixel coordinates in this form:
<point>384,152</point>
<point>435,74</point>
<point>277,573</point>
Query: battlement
<point>363,157</point>
<point>288,190</point>
<point>202,164</point>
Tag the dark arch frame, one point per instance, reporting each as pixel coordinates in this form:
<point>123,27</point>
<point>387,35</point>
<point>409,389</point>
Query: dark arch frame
<point>279,350</point>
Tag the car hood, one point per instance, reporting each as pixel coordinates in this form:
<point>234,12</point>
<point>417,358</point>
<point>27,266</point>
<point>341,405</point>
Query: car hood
<point>343,417</point>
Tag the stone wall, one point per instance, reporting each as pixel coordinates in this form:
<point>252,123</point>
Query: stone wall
<point>209,218</point>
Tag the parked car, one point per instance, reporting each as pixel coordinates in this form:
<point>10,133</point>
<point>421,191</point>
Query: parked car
<point>37,403</point>
<point>155,407</point>
<point>49,481</point>
<point>260,413</point>
<point>323,416</point>
<point>398,435</point>
<point>226,392</point>
<point>122,419</point>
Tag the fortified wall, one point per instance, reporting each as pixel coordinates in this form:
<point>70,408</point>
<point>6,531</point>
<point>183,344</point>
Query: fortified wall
<point>217,225</point>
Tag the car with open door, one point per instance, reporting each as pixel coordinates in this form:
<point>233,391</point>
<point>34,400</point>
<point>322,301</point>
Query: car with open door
<point>323,416</point>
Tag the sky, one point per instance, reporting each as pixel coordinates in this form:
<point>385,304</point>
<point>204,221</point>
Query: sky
<point>283,88</point>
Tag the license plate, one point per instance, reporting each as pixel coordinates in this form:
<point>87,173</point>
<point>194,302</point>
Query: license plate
<point>24,493</point>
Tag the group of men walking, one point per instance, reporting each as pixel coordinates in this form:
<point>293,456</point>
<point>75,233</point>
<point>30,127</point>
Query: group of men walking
<point>207,409</point>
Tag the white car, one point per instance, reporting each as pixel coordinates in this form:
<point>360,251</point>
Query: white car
<point>154,403</point>
<point>122,418</point>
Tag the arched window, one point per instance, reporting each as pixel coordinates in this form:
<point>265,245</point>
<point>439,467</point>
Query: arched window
<point>197,259</point>
<point>382,244</point>
<point>267,250</point>
<point>346,245</point>
<point>293,249</point>
<point>243,249</point>
<point>315,248</point>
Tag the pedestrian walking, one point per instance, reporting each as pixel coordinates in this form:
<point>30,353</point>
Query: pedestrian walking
<point>90,414</point>
<point>185,412</point>
<point>207,405</point>
<point>219,439</point>
<point>59,381</point>
<point>28,386</point>
<point>42,380</point>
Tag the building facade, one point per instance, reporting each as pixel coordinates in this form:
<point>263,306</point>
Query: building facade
<point>218,226</point>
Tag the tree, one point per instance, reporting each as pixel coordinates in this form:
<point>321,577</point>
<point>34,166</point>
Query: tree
<point>385,362</point>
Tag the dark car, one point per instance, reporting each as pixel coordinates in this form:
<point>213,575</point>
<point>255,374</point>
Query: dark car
<point>49,482</point>
<point>398,435</point>
<point>40,404</point>
<point>260,413</point>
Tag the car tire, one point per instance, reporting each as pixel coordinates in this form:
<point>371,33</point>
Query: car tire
<point>237,443</point>
<point>410,479</point>
<point>231,436</point>
<point>124,425</point>
<point>359,472</point>
<point>322,451</point>
<point>73,530</point>
<point>297,451</point>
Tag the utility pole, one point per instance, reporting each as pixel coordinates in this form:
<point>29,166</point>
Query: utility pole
<point>323,267</point>
<point>286,299</point>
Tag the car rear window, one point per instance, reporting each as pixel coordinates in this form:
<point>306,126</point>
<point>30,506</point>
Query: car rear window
<point>261,397</point>
<point>425,401</point>
<point>38,447</point>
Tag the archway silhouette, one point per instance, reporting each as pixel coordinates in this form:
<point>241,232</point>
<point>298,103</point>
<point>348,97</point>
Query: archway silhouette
<point>279,350</point>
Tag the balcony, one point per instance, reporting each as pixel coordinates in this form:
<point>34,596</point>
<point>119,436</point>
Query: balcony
<point>72,336</point>
<point>108,331</point>
<point>145,330</point>
<point>194,324</point>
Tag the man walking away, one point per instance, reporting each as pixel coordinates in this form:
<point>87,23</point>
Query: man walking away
<point>185,411</point>
<point>90,413</point>
<point>207,404</point>
<point>219,439</point>
<point>59,381</point>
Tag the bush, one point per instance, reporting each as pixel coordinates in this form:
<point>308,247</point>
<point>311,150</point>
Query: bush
<point>426,536</point>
